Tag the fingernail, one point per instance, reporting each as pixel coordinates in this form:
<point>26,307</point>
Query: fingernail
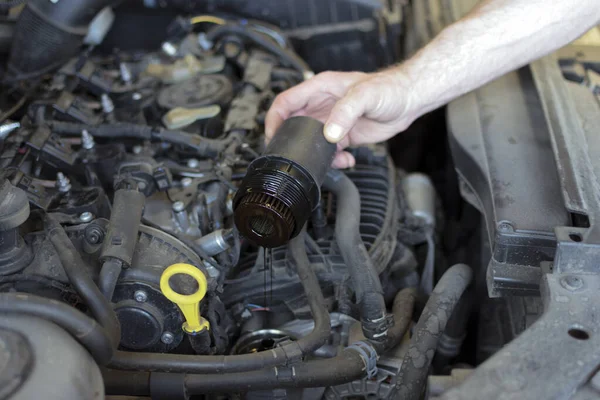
<point>333,132</point>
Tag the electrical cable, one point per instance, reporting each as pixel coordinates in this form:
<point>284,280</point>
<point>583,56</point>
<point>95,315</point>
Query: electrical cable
<point>75,267</point>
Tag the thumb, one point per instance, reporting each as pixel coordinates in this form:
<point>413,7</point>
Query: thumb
<point>345,114</point>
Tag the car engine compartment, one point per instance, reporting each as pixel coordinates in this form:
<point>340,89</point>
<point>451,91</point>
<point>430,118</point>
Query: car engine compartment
<point>122,269</point>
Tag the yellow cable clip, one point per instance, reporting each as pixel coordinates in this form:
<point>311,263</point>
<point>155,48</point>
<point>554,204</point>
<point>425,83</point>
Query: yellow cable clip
<point>189,304</point>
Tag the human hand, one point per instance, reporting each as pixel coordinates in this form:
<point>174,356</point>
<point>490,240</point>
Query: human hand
<point>357,108</point>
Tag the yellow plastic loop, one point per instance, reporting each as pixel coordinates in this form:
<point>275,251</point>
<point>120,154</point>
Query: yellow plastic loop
<point>188,303</point>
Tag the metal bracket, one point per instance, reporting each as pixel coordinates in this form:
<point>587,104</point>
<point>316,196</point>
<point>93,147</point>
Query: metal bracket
<point>559,353</point>
<point>551,359</point>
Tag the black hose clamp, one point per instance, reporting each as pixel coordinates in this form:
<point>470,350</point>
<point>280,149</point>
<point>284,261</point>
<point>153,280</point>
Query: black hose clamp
<point>377,329</point>
<point>369,355</point>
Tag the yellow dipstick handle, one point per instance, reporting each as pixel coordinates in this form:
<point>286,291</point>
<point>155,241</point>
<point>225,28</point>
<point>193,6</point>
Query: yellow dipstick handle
<point>188,303</point>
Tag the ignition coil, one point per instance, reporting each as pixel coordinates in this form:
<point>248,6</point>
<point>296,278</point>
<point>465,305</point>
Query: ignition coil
<point>283,186</point>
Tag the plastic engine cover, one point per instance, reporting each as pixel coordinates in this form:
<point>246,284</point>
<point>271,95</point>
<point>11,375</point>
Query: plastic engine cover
<point>39,360</point>
<point>503,155</point>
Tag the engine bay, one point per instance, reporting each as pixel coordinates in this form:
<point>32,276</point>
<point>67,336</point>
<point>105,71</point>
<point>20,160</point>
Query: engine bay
<point>124,271</point>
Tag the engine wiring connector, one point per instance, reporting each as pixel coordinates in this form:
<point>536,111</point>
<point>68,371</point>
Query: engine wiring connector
<point>189,304</point>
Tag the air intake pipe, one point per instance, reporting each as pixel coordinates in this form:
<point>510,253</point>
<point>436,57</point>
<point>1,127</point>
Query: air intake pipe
<point>49,33</point>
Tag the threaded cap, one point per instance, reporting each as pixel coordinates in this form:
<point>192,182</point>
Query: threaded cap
<point>273,202</point>
<point>282,187</point>
<point>264,219</point>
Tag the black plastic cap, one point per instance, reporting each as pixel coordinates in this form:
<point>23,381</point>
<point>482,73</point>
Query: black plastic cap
<point>273,203</point>
<point>282,187</point>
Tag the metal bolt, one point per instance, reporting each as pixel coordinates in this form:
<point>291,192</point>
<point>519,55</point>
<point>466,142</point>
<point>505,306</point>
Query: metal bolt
<point>169,49</point>
<point>140,296</point>
<point>571,282</point>
<point>86,216</point>
<point>505,227</point>
<point>178,206</point>
<point>125,72</point>
<point>63,184</point>
<point>192,163</point>
<point>87,140</point>
<point>229,205</point>
<point>137,149</point>
<point>136,96</point>
<point>93,234</point>
<point>6,129</point>
<point>107,104</point>
<point>185,182</point>
<point>167,338</point>
<point>203,41</point>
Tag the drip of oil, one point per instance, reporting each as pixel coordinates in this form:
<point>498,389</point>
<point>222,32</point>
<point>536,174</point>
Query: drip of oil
<point>268,277</point>
<point>271,276</point>
<point>264,249</point>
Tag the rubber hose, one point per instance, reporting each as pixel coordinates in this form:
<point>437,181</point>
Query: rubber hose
<point>84,285</point>
<point>344,368</point>
<point>200,341</point>
<point>451,341</point>
<point>49,33</point>
<point>369,294</point>
<point>285,74</point>
<point>284,354</point>
<point>120,129</point>
<point>402,310</point>
<point>286,56</point>
<point>126,383</point>
<point>84,329</point>
<point>412,376</point>
<point>109,275</point>
<point>203,146</point>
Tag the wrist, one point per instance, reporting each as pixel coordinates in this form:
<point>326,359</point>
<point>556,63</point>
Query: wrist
<point>431,77</point>
<point>407,93</point>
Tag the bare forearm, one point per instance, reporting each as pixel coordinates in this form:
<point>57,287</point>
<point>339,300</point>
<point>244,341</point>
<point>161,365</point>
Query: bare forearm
<point>495,38</point>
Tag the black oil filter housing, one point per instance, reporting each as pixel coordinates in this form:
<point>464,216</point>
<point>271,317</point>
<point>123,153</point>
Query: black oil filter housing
<point>282,187</point>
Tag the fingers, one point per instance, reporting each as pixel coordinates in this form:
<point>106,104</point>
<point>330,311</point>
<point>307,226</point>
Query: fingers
<point>346,113</point>
<point>342,160</point>
<point>290,102</point>
<point>278,113</point>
